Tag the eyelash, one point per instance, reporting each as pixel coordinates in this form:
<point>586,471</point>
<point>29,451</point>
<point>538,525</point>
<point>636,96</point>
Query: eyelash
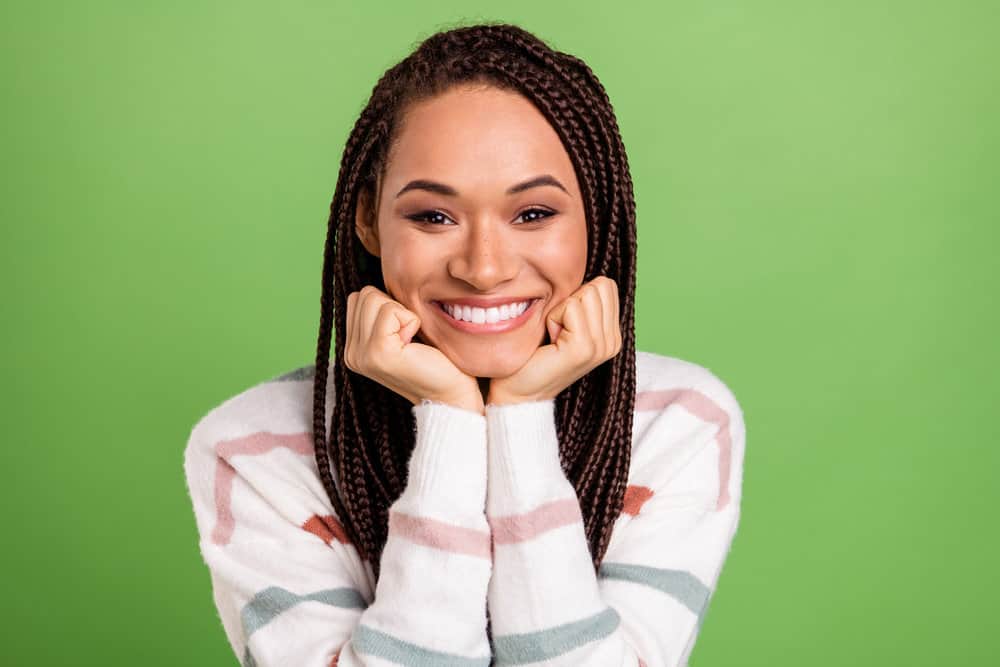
<point>420,217</point>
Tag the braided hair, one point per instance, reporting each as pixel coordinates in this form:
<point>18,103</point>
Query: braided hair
<point>372,432</point>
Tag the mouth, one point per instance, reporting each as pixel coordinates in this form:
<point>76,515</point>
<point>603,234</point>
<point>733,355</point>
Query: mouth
<point>506,317</point>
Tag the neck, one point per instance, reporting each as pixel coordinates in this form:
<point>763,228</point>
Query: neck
<point>484,388</point>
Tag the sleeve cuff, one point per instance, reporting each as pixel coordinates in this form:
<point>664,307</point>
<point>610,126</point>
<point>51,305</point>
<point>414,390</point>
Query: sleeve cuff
<point>447,469</point>
<point>524,464</point>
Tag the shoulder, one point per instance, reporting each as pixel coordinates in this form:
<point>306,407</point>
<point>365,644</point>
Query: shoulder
<point>662,380</point>
<point>281,404</point>
<point>251,474</point>
<point>261,439</point>
<point>685,414</point>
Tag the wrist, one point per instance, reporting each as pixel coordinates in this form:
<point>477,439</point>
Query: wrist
<point>470,403</point>
<point>500,397</point>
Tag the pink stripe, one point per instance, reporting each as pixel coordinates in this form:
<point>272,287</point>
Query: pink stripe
<point>520,527</point>
<point>635,497</point>
<point>254,444</point>
<point>704,408</point>
<point>440,535</point>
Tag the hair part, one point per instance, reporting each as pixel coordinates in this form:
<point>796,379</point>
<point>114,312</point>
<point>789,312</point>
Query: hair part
<point>372,432</point>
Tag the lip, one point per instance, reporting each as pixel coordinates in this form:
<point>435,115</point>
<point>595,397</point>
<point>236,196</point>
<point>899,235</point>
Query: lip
<point>486,327</point>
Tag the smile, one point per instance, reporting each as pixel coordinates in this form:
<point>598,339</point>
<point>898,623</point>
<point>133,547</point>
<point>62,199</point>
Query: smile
<point>487,320</point>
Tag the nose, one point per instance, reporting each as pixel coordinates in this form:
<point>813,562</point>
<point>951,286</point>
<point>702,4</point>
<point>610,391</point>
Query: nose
<point>485,259</point>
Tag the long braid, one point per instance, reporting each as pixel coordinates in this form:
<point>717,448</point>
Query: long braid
<point>372,429</point>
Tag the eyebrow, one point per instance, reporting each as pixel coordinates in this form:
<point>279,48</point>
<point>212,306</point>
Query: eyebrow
<point>442,189</point>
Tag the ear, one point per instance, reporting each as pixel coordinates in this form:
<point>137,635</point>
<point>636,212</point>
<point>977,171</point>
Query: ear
<point>365,224</point>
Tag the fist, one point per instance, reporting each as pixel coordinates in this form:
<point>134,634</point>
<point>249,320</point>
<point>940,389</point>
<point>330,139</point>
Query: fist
<point>585,332</point>
<point>379,345</point>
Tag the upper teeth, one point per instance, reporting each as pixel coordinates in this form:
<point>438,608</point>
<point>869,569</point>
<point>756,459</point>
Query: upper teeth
<point>487,315</point>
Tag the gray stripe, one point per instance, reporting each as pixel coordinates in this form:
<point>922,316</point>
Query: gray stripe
<point>371,641</point>
<point>678,584</point>
<point>299,374</point>
<point>266,605</point>
<point>547,644</point>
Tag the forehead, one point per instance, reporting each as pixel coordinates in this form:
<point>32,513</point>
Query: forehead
<point>472,137</point>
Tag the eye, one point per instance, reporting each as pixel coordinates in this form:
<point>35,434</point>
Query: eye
<point>429,217</point>
<point>529,213</point>
<point>439,218</point>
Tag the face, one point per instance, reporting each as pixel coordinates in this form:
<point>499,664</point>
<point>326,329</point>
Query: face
<point>478,216</point>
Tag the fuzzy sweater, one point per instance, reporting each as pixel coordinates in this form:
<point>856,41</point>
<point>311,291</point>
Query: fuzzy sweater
<point>486,561</point>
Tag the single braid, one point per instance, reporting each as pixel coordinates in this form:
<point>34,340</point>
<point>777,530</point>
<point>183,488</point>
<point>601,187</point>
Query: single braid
<point>362,456</point>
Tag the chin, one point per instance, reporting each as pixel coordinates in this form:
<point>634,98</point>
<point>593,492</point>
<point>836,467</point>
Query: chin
<point>491,368</point>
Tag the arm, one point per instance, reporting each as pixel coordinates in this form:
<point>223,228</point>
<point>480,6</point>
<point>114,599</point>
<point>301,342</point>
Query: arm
<point>291,591</point>
<point>546,604</point>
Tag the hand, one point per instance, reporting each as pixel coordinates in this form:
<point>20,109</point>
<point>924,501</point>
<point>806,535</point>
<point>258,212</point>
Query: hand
<point>585,332</point>
<point>378,345</point>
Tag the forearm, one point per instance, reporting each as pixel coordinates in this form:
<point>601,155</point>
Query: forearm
<point>435,567</point>
<point>291,590</point>
<point>544,599</point>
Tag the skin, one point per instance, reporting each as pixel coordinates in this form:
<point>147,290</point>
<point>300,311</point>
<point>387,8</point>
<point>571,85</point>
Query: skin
<point>480,241</point>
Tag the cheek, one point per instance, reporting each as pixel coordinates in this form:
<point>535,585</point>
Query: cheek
<point>405,266</point>
<point>563,257</point>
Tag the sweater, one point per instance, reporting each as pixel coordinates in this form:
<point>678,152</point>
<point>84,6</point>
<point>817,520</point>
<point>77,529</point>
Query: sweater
<point>486,560</point>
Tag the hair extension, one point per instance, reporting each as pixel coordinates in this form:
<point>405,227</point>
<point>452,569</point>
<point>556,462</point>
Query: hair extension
<point>372,432</point>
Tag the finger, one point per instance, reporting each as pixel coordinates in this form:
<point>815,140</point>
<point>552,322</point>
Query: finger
<point>593,307</point>
<point>617,310</point>
<point>409,324</point>
<point>359,310</point>
<point>553,321</point>
<point>575,325</point>
<point>362,325</point>
<point>371,300</point>
<point>350,335</point>
<point>612,326</point>
<point>556,314</point>
<point>393,320</point>
<point>554,331</point>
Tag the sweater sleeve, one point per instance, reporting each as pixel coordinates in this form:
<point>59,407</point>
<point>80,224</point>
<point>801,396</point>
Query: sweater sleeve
<point>644,608</point>
<point>289,587</point>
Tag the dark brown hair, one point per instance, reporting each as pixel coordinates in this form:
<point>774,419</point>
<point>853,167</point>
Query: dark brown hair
<point>372,429</point>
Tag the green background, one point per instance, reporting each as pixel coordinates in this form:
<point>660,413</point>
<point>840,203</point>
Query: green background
<point>817,207</point>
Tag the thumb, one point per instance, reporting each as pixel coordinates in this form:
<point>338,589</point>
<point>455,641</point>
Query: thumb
<point>409,329</point>
<point>554,330</point>
<point>554,322</point>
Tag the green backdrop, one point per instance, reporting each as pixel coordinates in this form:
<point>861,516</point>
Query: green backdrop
<point>817,204</point>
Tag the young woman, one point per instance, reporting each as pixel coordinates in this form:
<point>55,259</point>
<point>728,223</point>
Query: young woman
<point>492,474</point>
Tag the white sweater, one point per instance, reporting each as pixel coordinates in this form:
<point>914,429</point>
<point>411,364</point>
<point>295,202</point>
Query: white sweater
<point>488,524</point>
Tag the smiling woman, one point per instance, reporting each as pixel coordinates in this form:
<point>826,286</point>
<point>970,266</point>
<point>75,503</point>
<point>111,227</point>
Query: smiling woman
<point>466,238</point>
<point>499,476</point>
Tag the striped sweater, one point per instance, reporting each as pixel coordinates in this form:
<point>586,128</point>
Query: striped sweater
<point>486,561</point>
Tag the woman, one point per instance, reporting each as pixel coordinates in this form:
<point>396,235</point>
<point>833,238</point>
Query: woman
<point>498,476</point>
